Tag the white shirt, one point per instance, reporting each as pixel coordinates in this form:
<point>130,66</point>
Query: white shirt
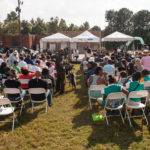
<point>22,64</point>
<point>85,65</point>
<point>51,70</point>
<point>1,60</point>
<point>35,68</point>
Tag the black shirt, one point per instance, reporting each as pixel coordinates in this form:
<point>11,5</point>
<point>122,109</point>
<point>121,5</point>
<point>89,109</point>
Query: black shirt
<point>38,83</point>
<point>13,84</point>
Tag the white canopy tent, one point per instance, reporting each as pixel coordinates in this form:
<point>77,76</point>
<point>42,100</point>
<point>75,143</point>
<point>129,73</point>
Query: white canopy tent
<point>117,37</point>
<point>57,38</point>
<point>86,36</point>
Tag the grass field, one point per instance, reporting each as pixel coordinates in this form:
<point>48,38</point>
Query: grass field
<point>69,126</point>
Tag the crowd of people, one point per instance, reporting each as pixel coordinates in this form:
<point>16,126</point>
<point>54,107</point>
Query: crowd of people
<point>118,71</point>
<point>34,67</point>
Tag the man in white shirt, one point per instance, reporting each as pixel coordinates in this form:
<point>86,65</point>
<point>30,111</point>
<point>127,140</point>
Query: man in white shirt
<point>35,68</point>
<point>22,63</point>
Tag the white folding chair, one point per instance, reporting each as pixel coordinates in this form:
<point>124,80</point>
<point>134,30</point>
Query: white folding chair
<point>94,88</point>
<point>137,105</point>
<point>38,91</point>
<point>7,109</point>
<point>3,81</point>
<point>14,91</point>
<point>114,102</point>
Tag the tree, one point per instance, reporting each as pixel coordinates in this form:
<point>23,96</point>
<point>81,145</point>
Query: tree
<point>86,25</point>
<point>73,27</point>
<point>1,28</point>
<point>141,25</point>
<point>26,27</point>
<point>39,27</point>
<point>96,28</point>
<point>52,25</point>
<point>62,25</point>
<point>12,16</point>
<point>11,27</point>
<point>119,20</point>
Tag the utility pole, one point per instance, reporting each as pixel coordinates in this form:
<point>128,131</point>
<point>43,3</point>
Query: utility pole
<point>18,9</point>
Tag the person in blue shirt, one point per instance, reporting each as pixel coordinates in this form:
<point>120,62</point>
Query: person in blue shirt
<point>109,68</point>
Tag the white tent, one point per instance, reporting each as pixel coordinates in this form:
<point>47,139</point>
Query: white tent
<point>86,36</point>
<point>57,38</point>
<point>117,37</point>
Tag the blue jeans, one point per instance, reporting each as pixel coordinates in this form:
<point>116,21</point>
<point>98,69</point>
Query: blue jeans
<point>49,97</point>
<point>23,93</point>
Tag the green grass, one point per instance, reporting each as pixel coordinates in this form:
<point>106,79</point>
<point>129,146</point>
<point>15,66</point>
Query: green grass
<point>69,126</point>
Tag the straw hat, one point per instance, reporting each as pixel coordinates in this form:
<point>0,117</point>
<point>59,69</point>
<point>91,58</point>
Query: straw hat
<point>145,52</point>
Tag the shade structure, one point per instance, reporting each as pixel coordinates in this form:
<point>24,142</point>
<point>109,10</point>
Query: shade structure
<point>86,36</point>
<point>117,37</point>
<point>58,37</point>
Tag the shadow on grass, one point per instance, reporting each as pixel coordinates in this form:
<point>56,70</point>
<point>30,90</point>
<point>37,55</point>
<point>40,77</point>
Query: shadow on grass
<point>25,118</point>
<point>116,133</point>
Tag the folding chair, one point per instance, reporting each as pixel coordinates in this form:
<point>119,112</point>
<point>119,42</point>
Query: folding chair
<point>14,91</point>
<point>49,81</point>
<point>7,109</point>
<point>114,102</point>
<point>137,105</point>
<point>38,91</point>
<point>94,88</point>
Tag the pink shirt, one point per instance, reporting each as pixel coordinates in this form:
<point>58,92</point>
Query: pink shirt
<point>145,62</point>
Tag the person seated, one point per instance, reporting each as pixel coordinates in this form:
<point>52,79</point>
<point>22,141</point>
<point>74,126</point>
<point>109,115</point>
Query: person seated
<point>25,74</point>
<point>123,65</point>
<point>28,60</point>
<point>45,75</point>
<point>145,76</point>
<point>14,83</point>
<point>22,63</point>
<point>91,69</point>
<point>130,69</point>
<point>109,68</point>
<point>135,85</point>
<point>113,87</point>
<point>35,67</point>
<point>16,67</point>
<point>97,79</point>
<point>123,80</point>
<point>39,83</point>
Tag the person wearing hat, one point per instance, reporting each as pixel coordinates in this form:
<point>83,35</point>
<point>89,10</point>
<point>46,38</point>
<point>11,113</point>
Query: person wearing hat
<point>13,57</point>
<point>145,61</point>
<point>60,83</point>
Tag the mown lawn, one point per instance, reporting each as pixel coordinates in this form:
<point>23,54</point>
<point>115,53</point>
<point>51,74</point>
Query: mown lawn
<point>69,126</point>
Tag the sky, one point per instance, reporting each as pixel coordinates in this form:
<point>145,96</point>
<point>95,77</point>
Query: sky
<point>73,11</point>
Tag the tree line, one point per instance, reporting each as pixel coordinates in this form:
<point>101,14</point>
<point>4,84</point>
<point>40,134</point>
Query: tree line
<point>39,26</point>
<point>123,20</point>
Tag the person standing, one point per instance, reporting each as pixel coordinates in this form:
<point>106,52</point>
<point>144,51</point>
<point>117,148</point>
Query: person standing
<point>145,61</point>
<point>60,83</point>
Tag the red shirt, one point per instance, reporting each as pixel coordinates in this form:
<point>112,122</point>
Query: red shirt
<point>28,76</point>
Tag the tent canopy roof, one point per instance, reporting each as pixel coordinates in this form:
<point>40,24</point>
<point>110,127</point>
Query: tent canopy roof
<point>85,36</point>
<point>117,37</point>
<point>57,37</point>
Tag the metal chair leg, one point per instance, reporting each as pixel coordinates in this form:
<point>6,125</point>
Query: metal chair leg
<point>121,116</point>
<point>129,118</point>
<point>145,117</point>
